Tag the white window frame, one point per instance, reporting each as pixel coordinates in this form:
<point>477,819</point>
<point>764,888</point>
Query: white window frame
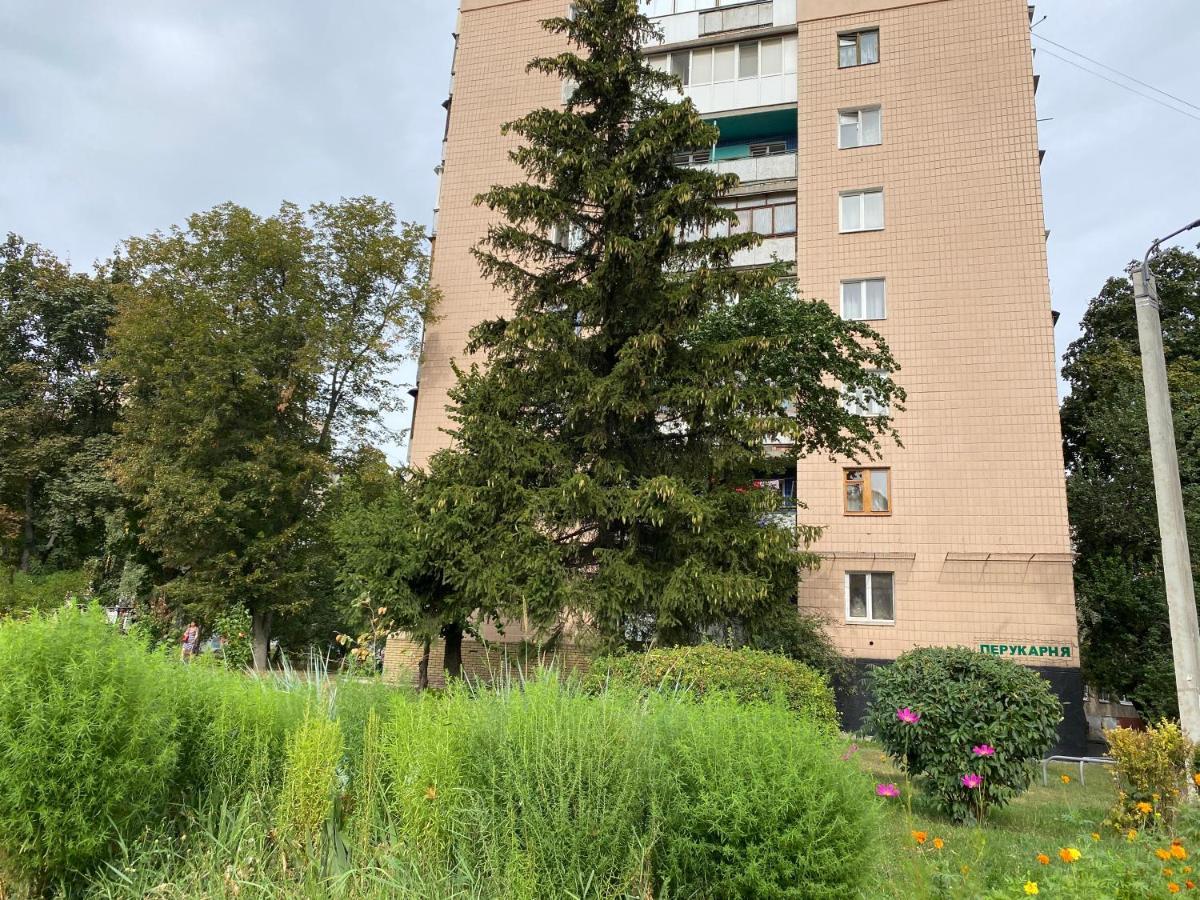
<point>857,112</point>
<point>858,404</point>
<point>861,194</point>
<point>870,617</point>
<point>664,62</point>
<point>862,299</point>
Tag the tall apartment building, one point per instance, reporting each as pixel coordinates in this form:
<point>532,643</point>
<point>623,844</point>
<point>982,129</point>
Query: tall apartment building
<point>888,150</point>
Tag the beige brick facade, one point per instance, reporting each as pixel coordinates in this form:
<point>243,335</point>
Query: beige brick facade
<point>977,536</point>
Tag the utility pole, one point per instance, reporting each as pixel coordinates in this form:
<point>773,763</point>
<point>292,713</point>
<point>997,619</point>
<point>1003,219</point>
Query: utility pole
<point>1177,563</point>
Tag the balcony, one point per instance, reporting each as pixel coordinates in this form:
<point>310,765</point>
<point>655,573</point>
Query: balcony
<point>689,20</point>
<point>736,75</point>
<point>762,168</point>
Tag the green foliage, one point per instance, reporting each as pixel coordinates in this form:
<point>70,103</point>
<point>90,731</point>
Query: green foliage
<point>965,700</point>
<point>251,345</point>
<point>234,628</point>
<point>1151,774</point>
<point>748,675</point>
<point>310,779</point>
<point>799,636</point>
<point>1124,639</point>
<point>764,809</point>
<point>87,736</point>
<point>56,410</point>
<point>21,593</point>
<point>604,441</point>
<point>233,732</point>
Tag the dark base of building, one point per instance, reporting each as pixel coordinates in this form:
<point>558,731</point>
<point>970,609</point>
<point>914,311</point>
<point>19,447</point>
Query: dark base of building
<point>853,698</point>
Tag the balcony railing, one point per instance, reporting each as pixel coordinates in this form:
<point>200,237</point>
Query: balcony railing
<point>763,168</point>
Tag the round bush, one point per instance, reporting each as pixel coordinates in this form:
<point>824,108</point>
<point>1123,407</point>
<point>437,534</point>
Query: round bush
<point>87,742</point>
<point>978,716</point>
<point>748,675</point>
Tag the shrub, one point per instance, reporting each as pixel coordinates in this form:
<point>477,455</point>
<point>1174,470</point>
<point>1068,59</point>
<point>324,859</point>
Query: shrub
<point>234,628</point>
<point>87,733</point>
<point>233,731</point>
<point>748,675</point>
<point>21,593</point>
<point>763,808</point>
<point>553,791</point>
<point>309,779</point>
<point>1150,774</point>
<point>965,700</point>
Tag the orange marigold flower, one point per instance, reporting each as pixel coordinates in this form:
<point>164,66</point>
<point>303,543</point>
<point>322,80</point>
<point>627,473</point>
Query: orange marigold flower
<point>938,843</point>
<point>1172,887</point>
<point>1178,852</point>
<point>1069,854</point>
<point>1190,885</point>
<point>1066,779</point>
<point>1043,859</point>
<point>1131,834</point>
<point>1162,854</point>
<point>1144,808</point>
<point>920,837</point>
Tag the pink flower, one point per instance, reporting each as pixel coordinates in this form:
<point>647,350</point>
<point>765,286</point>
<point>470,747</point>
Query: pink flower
<point>887,790</point>
<point>984,750</point>
<point>907,716</point>
<point>972,781</point>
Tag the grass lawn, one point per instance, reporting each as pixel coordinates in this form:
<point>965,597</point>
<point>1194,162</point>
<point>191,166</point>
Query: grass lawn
<point>1001,859</point>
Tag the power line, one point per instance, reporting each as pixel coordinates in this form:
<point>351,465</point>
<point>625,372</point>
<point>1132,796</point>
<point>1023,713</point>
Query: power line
<point>1116,71</point>
<point>1151,98</point>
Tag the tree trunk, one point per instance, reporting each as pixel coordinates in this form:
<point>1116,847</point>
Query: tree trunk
<point>423,667</point>
<point>27,542</point>
<point>453,657</point>
<point>260,634</point>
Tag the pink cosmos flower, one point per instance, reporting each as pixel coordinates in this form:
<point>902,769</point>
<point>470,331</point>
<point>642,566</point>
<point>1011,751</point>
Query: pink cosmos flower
<point>887,790</point>
<point>907,716</point>
<point>984,750</point>
<point>972,781</point>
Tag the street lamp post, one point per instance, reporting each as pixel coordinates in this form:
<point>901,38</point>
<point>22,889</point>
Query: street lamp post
<point>1177,564</point>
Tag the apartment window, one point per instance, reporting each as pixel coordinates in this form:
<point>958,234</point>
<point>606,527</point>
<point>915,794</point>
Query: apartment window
<point>768,148</point>
<point>785,487</point>
<point>864,401</point>
<point>770,215</point>
<point>860,127</point>
<point>865,299</point>
<point>692,157</point>
<point>861,210</point>
<point>741,16</point>
<point>858,48</point>
<point>870,597</point>
<point>681,67</point>
<point>867,492</point>
<point>748,60</point>
<point>728,62</point>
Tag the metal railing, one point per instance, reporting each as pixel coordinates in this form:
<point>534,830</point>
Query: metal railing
<point>1082,760</point>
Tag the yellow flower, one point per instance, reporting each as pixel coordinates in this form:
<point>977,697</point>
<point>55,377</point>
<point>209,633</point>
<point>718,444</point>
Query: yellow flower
<point>920,837</point>
<point>1144,808</point>
<point>431,793</point>
<point>1196,779</point>
<point>1066,779</point>
<point>1178,852</point>
<point>966,870</point>
<point>1069,854</point>
<point>1095,836</point>
<point>938,843</point>
<point>1162,854</point>
<point>1131,834</point>
<point>1168,872</point>
<point>1043,859</point>
<point>1031,887</point>
<point>1187,870</point>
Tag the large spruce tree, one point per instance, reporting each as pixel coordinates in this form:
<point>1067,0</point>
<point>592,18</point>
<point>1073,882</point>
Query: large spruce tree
<point>605,450</point>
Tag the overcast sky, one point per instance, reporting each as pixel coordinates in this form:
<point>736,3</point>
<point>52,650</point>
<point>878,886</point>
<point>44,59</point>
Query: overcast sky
<point>118,117</point>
